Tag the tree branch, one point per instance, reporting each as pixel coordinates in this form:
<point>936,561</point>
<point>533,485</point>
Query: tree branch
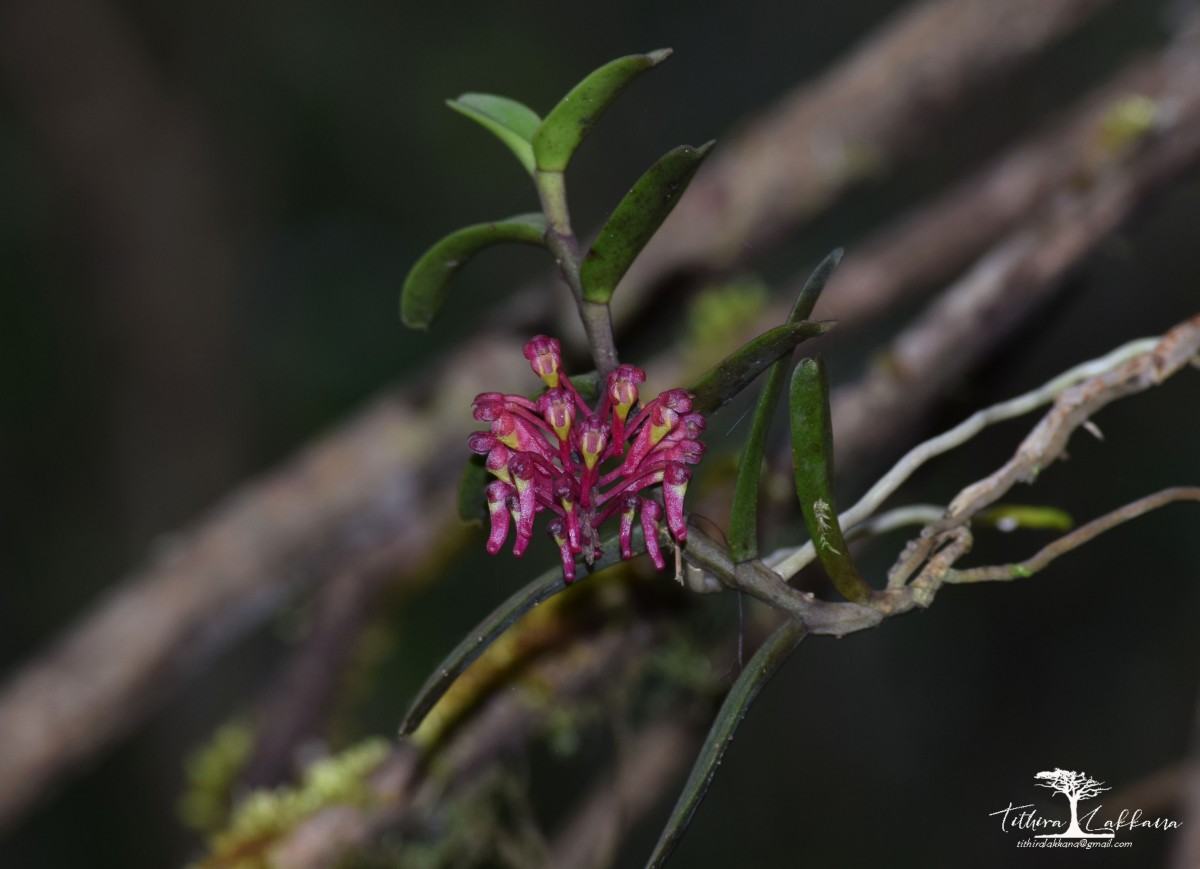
<point>377,483</point>
<point>407,788</point>
<point>936,240</point>
<point>161,236</point>
<point>1072,409</point>
<point>1007,284</point>
<point>881,102</point>
<point>644,772</point>
<point>1075,539</point>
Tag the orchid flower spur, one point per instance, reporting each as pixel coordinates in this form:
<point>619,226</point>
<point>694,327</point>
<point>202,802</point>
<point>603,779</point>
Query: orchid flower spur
<point>586,465</point>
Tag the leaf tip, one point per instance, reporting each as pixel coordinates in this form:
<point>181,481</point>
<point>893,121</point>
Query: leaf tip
<point>419,322</point>
<point>807,364</point>
<point>659,55</point>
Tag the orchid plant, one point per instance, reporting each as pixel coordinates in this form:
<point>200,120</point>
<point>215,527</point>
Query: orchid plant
<point>590,450</point>
<point>618,457</point>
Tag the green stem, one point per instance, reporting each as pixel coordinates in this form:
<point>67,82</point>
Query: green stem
<point>561,240</point>
<point>597,323</point>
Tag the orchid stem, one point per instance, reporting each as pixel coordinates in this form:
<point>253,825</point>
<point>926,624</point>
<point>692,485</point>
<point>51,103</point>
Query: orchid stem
<point>562,243</point>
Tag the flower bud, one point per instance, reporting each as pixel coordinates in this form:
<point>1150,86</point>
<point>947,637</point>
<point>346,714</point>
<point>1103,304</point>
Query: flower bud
<point>629,505</point>
<point>523,468</point>
<point>566,494</point>
<point>557,407</point>
<point>593,438</point>
<point>545,358</point>
<point>557,531</point>
<point>623,395</point>
<point>482,442</point>
<point>675,480</point>
<point>497,504</point>
<point>488,406</point>
<point>651,513</point>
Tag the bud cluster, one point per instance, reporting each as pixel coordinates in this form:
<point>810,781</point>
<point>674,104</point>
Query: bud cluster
<point>583,465</point>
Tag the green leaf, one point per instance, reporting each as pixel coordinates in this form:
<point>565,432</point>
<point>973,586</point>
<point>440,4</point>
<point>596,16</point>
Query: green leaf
<point>812,464</point>
<point>770,655</point>
<point>472,490</point>
<point>425,287</point>
<point>737,370</point>
<point>743,515</point>
<point>513,122</point>
<point>636,219</point>
<point>477,641</point>
<point>1010,517</point>
<point>560,133</point>
<point>810,293</point>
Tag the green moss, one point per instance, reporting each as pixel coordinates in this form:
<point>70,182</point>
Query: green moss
<point>211,771</point>
<point>720,313</point>
<point>1128,121</point>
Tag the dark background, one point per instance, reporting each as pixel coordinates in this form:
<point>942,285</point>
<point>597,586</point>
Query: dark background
<point>152,358</point>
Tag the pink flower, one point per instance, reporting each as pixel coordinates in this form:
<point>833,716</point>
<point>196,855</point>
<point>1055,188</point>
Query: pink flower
<point>585,465</point>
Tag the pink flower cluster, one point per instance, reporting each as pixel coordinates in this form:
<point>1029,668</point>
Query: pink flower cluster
<point>585,466</point>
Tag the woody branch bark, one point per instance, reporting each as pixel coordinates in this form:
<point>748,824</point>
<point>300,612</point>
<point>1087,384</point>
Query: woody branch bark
<point>890,94</point>
<point>141,192</point>
<point>934,241</point>
<point>1005,285</point>
<point>377,484</point>
<point>404,791</point>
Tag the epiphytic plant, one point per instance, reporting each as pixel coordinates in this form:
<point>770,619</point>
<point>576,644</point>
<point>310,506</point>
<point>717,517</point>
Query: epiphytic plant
<point>585,463</point>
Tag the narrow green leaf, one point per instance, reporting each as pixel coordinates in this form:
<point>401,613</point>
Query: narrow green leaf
<point>560,133</point>
<point>472,490</point>
<point>477,641</point>
<point>812,464</point>
<point>425,287</point>
<point>1010,517</point>
<point>743,515</point>
<point>810,293</point>
<point>737,370</point>
<point>636,219</point>
<point>770,655</point>
<point>513,122</point>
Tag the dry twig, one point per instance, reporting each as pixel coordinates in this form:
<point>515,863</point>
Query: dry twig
<point>1045,443</point>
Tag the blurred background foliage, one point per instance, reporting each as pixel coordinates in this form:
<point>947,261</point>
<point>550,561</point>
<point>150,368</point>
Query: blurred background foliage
<point>144,374</point>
